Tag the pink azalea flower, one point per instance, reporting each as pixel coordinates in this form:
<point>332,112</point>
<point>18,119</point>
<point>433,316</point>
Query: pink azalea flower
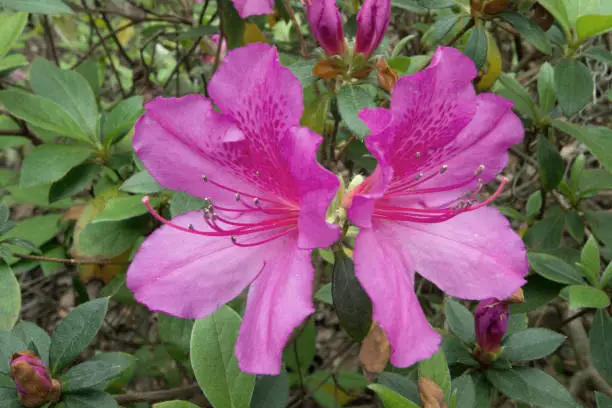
<point>372,23</point>
<point>491,324</point>
<point>326,25</point>
<point>248,8</point>
<point>269,198</point>
<point>436,146</point>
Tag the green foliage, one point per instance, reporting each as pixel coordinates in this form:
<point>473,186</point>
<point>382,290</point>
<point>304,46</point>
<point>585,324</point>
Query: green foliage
<point>460,320</point>
<point>531,344</point>
<point>390,398</point>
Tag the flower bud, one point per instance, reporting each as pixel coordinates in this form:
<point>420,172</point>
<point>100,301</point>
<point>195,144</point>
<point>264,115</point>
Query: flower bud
<point>387,77</point>
<point>491,321</point>
<point>326,25</point>
<point>431,394</point>
<point>34,383</point>
<point>372,23</point>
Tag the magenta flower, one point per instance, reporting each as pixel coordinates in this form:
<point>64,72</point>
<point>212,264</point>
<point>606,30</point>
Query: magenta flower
<point>436,146</point>
<point>372,23</point>
<point>326,25</point>
<point>269,198</point>
<point>491,323</point>
<point>248,8</point>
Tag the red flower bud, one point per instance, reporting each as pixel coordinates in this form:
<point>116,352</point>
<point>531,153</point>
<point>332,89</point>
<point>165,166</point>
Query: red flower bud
<point>326,25</point>
<point>491,321</point>
<point>372,23</point>
<point>34,383</point>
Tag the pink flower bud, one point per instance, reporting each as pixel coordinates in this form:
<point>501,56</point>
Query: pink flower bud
<point>372,23</point>
<point>326,25</point>
<point>491,321</point>
<point>34,383</point>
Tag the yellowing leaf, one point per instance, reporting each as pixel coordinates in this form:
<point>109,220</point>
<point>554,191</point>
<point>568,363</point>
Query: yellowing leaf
<point>252,34</point>
<point>494,65</point>
<point>125,35</point>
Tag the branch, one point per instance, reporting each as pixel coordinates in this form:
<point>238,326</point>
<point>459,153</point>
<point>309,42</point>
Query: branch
<point>152,397</point>
<point>70,261</point>
<point>303,47</point>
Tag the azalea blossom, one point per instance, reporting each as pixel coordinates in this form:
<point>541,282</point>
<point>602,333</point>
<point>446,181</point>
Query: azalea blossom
<point>326,25</point>
<point>248,8</point>
<point>436,146</point>
<point>491,323</point>
<point>372,23</point>
<point>268,198</point>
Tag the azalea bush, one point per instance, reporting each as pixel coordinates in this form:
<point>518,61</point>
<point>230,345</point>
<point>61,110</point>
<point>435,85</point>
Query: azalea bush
<point>274,203</point>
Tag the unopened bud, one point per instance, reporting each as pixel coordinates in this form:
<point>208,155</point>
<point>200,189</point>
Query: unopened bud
<point>372,23</point>
<point>431,394</point>
<point>387,77</point>
<point>491,323</point>
<point>326,25</point>
<point>34,383</point>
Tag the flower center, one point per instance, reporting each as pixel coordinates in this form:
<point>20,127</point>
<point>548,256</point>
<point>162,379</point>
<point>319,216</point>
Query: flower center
<point>268,219</point>
<point>396,203</point>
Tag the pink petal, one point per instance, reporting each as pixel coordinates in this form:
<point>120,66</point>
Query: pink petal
<point>248,8</point>
<point>475,255</point>
<point>279,300</point>
<point>189,275</point>
<point>325,23</point>
<point>387,275</point>
<point>362,200</point>
<point>316,188</point>
<point>372,23</point>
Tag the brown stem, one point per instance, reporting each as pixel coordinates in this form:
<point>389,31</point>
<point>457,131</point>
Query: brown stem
<point>114,36</point>
<point>152,397</point>
<point>70,261</point>
<point>303,47</point>
<point>469,25</point>
<point>50,40</point>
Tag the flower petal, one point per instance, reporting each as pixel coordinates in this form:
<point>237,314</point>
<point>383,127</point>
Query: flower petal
<point>475,255</point>
<point>188,275</point>
<point>317,187</point>
<point>278,301</point>
<point>248,8</point>
<point>387,275</point>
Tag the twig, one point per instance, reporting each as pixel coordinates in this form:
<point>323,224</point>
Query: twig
<point>70,261</point>
<point>49,35</point>
<point>469,25</point>
<point>152,397</point>
<point>184,57</point>
<point>114,36</point>
<point>303,47</point>
<point>105,38</point>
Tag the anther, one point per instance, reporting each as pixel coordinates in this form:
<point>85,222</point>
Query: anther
<point>418,154</point>
<point>256,201</point>
<point>237,196</point>
<point>419,176</point>
<point>204,178</point>
<point>443,169</point>
<point>234,239</point>
<point>190,226</point>
<point>257,173</point>
<point>479,170</point>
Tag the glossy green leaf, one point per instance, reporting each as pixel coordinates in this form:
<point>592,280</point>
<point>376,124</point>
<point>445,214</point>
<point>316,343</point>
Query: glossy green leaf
<point>12,61</point>
<point>529,30</point>
<point>121,208</point>
<point>141,183</point>
<point>554,268</point>
<point>558,10</point>
<point>11,26</point>
<point>214,362</point>
<point>351,100</point>
<point>300,353</point>
<point>599,340</point>
<point>460,320</point>
<point>597,138</point>
<point>43,166</point>
<point>37,230</point>
<point>546,88</point>
<point>531,344</point>
<point>438,30</point>
<point>175,404</point>
<point>591,264</point>
<point>37,6</point>
<point>476,46</point>
<point>70,91</point>
<point>352,303</point>
<point>531,386</point>
<point>89,374</point>
<point>233,26</point>
<point>592,25</point>
<point>90,399</point>
<point>10,299</point>
<point>546,233</point>
<point>465,392</point>
<point>75,332</point>
<point>595,180</point>
<point>575,226</point>
<point>603,401</point>
<point>271,391</point>
<point>390,398</point>
<point>90,70</point>
<point>538,292</point>
<point>118,122</point>
<point>534,204</point>
<point>573,85</point>
<point>599,222</point>
<point>30,333</point>
<point>315,113</point>
<point>9,398</point>
<point>175,331</point>
<point>599,54</point>
<point>606,277</point>
<point>587,296</point>
<point>551,164</point>
<point>75,181</point>
<point>302,69</point>
<point>436,369</point>
<point>111,238</point>
<point>508,88</point>
<point>400,384</point>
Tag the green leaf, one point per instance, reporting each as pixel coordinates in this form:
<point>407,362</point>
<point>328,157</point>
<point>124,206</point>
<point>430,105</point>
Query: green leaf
<point>516,322</point>
<point>11,26</point>
<point>325,294</point>
<point>538,292</point>
<point>559,12</point>
<point>90,70</point>
<point>603,401</point>
<point>41,112</point>
<point>390,398</point>
<point>300,353</point>
<point>546,233</point>
<point>438,30</point>
<point>551,164</point>
<point>531,344</point>
<point>600,222</point>
<point>9,343</point>
<point>214,363</point>
<point>121,208</point>
<point>23,243</point>
<point>554,268</point>
<point>12,61</point>
<point>575,226</point>
<point>302,69</point>
<point>352,303</point>
<point>90,399</point>
<point>595,180</point>
<point>30,333</point>
<point>508,88</point>
<point>606,277</point>
<point>436,369</point>
<point>466,392</point>
<point>121,119</point>
<point>37,6</point>
<point>400,384</point>
<point>175,331</point>
<point>70,91</point>
<point>546,88</point>
<point>50,162</point>
<point>574,86</point>
<point>88,375</point>
<point>529,30</point>
<point>351,100</point>
<point>599,54</point>
<point>111,238</point>
<point>599,340</point>
<point>591,264</point>
<point>38,230</point>
<point>175,404</point>
<point>597,139</point>
<point>587,296</point>
<point>75,181</point>
<point>476,46</point>
<point>534,204</point>
<point>315,113</point>
<point>141,183</point>
<point>127,364</point>
<point>196,32</point>
<point>271,391</point>
<point>10,300</point>
<point>9,398</point>
<point>460,320</point>
<point>75,332</point>
<point>531,386</point>
<point>233,26</point>
<point>590,26</point>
